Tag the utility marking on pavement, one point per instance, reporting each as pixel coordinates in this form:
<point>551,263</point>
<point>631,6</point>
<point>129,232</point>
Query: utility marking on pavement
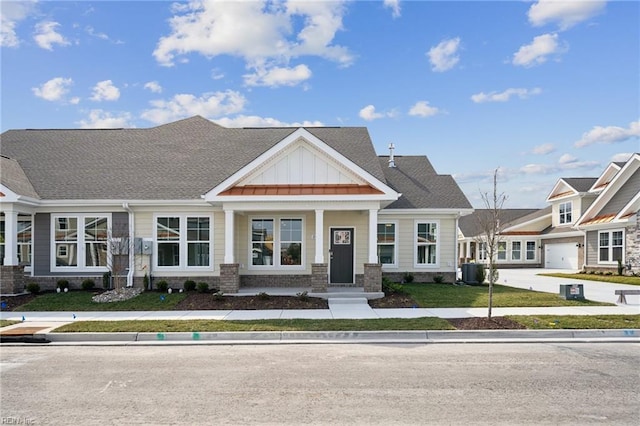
<point>196,336</point>
<point>160,336</point>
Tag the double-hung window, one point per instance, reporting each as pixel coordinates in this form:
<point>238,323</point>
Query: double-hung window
<point>502,250</point>
<point>276,242</point>
<point>24,240</point>
<point>516,250</point>
<point>610,246</point>
<point>531,250</point>
<point>387,243</point>
<point>80,241</point>
<point>426,243</point>
<point>565,213</point>
<point>183,241</point>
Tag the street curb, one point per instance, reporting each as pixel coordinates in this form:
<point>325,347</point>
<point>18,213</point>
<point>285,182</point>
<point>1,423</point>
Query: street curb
<point>299,337</point>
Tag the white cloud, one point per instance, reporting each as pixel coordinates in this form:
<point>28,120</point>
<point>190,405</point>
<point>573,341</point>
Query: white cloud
<point>423,109</point>
<point>567,159</point>
<point>209,105</point>
<point>545,148</point>
<point>46,35</point>
<point>278,76</point>
<point>105,91</point>
<point>538,51</point>
<point>444,56</point>
<point>566,13</point>
<point>264,34</point>
<point>369,113</point>
<point>565,162</point>
<point>12,13</point>
<point>394,5</point>
<point>256,121</point>
<point>505,95</point>
<point>100,119</point>
<point>54,89</point>
<point>153,86</point>
<point>609,135</point>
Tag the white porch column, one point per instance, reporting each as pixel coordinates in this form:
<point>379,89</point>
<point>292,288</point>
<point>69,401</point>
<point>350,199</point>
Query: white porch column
<point>373,236</point>
<point>319,236</point>
<point>468,254</point>
<point>10,237</point>
<point>228,236</point>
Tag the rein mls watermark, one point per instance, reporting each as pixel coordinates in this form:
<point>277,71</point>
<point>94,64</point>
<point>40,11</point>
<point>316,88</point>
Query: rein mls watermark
<point>17,421</point>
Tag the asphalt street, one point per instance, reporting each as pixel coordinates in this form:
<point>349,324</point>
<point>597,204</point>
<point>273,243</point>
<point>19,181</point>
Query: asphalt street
<point>497,384</point>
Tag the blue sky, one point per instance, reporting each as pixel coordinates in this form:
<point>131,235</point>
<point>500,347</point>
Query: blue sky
<point>537,89</point>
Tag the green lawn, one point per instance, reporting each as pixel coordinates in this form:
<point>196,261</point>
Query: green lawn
<point>616,279</point>
<point>578,321</point>
<point>4,323</point>
<point>427,323</point>
<point>453,296</point>
<point>81,301</point>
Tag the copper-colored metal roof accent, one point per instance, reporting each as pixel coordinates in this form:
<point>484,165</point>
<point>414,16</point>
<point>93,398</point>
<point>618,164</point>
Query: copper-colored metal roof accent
<point>521,233</point>
<point>600,219</point>
<point>347,189</point>
<point>562,194</point>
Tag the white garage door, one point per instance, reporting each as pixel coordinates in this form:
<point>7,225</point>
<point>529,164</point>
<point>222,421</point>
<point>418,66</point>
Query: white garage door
<point>561,256</point>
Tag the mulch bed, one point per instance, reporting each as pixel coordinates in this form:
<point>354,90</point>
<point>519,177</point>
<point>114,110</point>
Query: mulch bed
<point>207,301</point>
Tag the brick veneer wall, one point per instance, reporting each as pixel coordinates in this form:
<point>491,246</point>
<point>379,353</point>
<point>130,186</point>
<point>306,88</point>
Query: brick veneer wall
<point>319,277</point>
<point>12,279</point>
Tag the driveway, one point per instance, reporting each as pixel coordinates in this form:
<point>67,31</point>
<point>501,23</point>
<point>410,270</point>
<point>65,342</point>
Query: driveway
<point>593,290</point>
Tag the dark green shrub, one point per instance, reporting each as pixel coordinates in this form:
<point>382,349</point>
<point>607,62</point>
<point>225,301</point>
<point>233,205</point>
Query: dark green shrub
<point>106,280</point>
<point>162,286</point>
<point>33,288</point>
<point>145,282</point>
<point>481,274</point>
<point>262,296</point>
<point>88,284</point>
<point>62,284</point>
<point>218,296</point>
<point>303,296</point>
<point>189,285</point>
<point>389,287</point>
<point>407,277</point>
<point>203,287</point>
<point>620,267</point>
<point>438,279</point>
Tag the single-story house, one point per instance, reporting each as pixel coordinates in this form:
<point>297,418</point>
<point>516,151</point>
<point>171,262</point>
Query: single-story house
<point>589,224</point>
<point>234,207</point>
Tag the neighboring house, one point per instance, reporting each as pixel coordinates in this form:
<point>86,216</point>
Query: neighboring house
<point>235,207</point>
<point>589,224</point>
<point>611,223</point>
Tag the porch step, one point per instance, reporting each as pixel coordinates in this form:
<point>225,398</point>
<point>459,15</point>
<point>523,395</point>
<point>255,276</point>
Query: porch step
<point>347,300</point>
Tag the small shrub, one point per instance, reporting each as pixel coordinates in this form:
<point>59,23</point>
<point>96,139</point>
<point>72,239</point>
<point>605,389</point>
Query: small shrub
<point>481,274</point>
<point>146,281</point>
<point>438,279</point>
<point>407,277</point>
<point>162,286</point>
<point>389,287</point>
<point>620,267</point>
<point>33,288</point>
<point>189,285</point>
<point>218,296</point>
<point>608,273</point>
<point>88,284</point>
<point>106,280</point>
<point>263,296</point>
<point>62,284</point>
<point>203,287</point>
<point>303,296</point>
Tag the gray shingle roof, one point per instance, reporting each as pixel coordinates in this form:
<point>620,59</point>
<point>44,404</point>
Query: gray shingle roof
<point>421,186</point>
<point>180,160</point>
<point>13,177</point>
<point>470,225</point>
<point>580,184</point>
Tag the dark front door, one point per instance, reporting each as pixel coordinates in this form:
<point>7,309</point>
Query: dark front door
<point>341,267</point>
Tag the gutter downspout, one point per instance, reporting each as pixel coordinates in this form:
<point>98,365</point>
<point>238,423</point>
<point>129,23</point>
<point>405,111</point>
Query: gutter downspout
<point>125,205</point>
<point>455,251</point>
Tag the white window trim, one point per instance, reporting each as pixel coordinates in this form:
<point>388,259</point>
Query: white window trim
<point>276,244</point>
<point>506,251</point>
<point>395,263</point>
<point>535,251</point>
<point>182,242</point>
<point>415,244</point>
<point>521,251</point>
<point>80,243</point>
<point>611,260</point>
<point>570,204</point>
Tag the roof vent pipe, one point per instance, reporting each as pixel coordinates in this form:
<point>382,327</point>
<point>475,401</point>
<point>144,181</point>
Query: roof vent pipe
<point>392,162</point>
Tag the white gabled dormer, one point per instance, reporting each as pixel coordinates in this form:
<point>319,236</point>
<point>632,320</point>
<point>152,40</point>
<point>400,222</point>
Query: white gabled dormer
<point>301,167</point>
